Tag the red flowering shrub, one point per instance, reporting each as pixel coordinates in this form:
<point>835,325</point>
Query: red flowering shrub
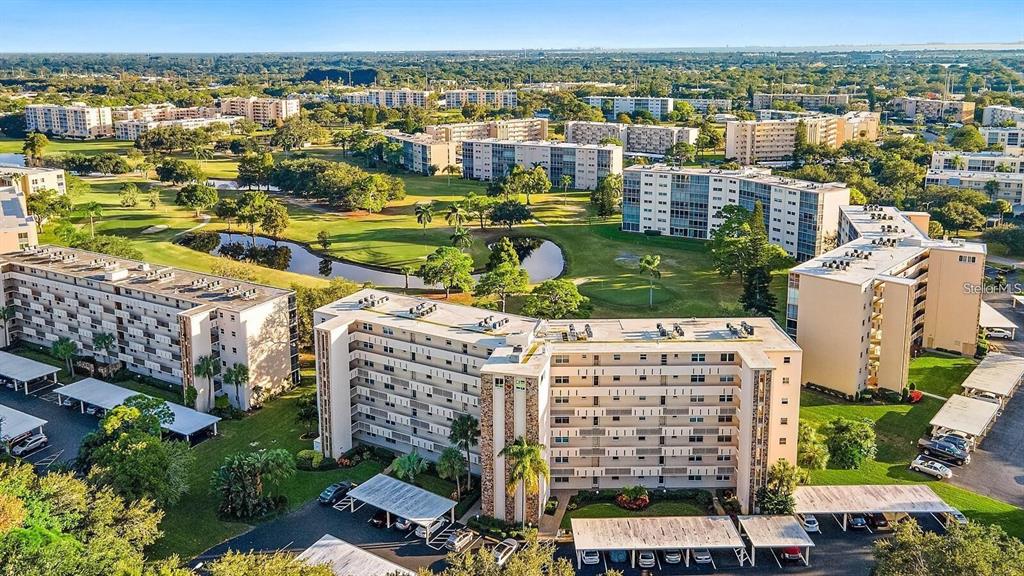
<point>915,396</point>
<point>633,498</point>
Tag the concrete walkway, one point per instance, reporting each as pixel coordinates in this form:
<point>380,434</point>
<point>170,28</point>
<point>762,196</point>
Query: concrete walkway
<point>549,524</point>
<point>206,220</point>
<point>930,395</point>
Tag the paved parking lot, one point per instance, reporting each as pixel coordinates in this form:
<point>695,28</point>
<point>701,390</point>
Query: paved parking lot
<point>65,427</point>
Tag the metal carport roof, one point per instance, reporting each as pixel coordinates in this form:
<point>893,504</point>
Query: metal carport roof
<point>997,373</point>
<point>348,560</point>
<point>402,499</point>
<point>24,369</point>
<point>15,423</point>
<point>989,317</point>
<point>655,533</point>
<point>775,532</point>
<point>968,415</point>
<point>869,499</point>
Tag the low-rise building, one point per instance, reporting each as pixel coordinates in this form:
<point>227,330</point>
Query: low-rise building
<point>674,403</point>
<point>73,121</point>
<point>32,180</point>
<point>858,125</point>
<point>519,129</point>
<point>423,153</point>
<point>800,216</point>
<point>586,164</point>
<point>491,98</point>
<point>998,114</point>
<point>614,105</point>
<point>17,228</point>
<point>132,129</point>
<point>638,138</point>
<point>703,104</point>
<point>772,140</point>
<point>263,111</point>
<point>389,98</point>
<point>164,320</point>
<point>977,161</point>
<point>805,101</point>
<point>909,107</point>
<point>1011,139</point>
<point>887,291</point>
<point>1007,186</point>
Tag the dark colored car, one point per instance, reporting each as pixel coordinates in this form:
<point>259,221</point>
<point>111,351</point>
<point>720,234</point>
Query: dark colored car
<point>857,521</point>
<point>334,493</point>
<point>380,519</point>
<point>944,451</point>
<point>958,441</point>
<point>878,522</point>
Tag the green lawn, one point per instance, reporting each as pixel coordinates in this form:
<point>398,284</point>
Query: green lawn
<point>9,145</point>
<point>611,510</point>
<point>940,373</point>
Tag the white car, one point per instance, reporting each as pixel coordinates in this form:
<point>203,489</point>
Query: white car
<point>30,444</point>
<point>504,550</point>
<point>702,556</point>
<point>646,559</point>
<point>954,517</point>
<point>460,539</point>
<point>672,556</point>
<point>930,467</point>
<point>421,531</point>
<point>810,523</point>
<point>988,397</point>
<point>1000,333</point>
<point>591,557</point>
<point>402,524</point>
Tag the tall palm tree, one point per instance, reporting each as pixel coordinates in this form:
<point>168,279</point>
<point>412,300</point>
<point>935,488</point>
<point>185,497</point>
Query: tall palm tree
<point>451,465</point>
<point>526,465</point>
<point>208,367</point>
<point>456,215</point>
<point>103,342</point>
<point>93,210</point>
<point>201,153</point>
<point>6,315</point>
<point>450,170</point>
<point>237,376</point>
<point>64,348</point>
<point>650,265</point>
<point>565,182</point>
<point>425,214</point>
<point>461,238</point>
<point>465,433</point>
<point>407,271</point>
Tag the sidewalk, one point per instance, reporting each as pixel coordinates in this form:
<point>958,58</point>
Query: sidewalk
<point>549,524</point>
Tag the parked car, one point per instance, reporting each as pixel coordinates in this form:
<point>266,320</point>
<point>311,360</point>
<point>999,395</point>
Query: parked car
<point>1000,333</point>
<point>702,556</point>
<point>591,557</point>
<point>878,522</point>
<point>857,521</point>
<point>380,519</point>
<point>504,550</point>
<point>988,397</point>
<point>30,444</point>
<point>421,531</point>
<point>334,493</point>
<point>954,517</point>
<point>402,524</point>
<point>646,559</point>
<point>460,539</point>
<point>618,556</point>
<point>672,556</point>
<point>943,450</point>
<point>791,553</point>
<point>810,523</point>
<point>931,468</point>
<point>957,440</point>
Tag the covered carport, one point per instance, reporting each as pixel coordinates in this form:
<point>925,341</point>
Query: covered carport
<point>842,501</point>
<point>25,371</point>
<point>346,559</point>
<point>402,500</point>
<point>15,424</point>
<point>998,374</point>
<point>990,318</point>
<point>686,533</point>
<point>773,532</point>
<point>968,416</point>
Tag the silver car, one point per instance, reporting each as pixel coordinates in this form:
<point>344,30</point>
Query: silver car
<point>30,444</point>
<point>702,556</point>
<point>646,559</point>
<point>931,468</point>
<point>672,556</point>
<point>460,539</point>
<point>504,550</point>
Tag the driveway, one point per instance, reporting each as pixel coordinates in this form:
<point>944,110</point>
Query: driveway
<point>65,426</point>
<point>997,466</point>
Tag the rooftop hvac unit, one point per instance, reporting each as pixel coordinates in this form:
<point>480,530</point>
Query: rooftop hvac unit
<point>588,331</point>
<point>215,285</point>
<point>675,327</point>
<point>250,294</point>
<point>747,328</point>
<point>200,282</point>
<point>662,331</point>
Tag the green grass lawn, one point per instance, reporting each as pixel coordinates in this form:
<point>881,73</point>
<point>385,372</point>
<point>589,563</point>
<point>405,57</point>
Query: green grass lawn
<point>10,145</point>
<point>940,373</point>
<point>611,510</point>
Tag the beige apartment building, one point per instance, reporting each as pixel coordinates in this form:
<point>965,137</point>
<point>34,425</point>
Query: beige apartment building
<point>658,107</point>
<point>164,319</point>
<point>163,111</point>
<point>861,310</point>
<point>586,164</point>
<point>32,180</point>
<point>1008,186</point>
<point>675,403</point>
<point>859,125</point>
<point>959,160</point>
<point>1011,139</point>
<point>703,104</point>
<point>423,153</point>
<point>805,101</point>
<point>17,228</point>
<point>76,121</point>
<point>909,107</point>
<point>389,98</point>
<point>637,138</point>
<point>492,98</point>
<point>999,114</point>
<point>521,129</point>
<point>752,141</point>
<point>132,129</point>
<point>264,111</point>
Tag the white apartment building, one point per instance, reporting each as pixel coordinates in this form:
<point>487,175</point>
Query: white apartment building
<point>164,319</point>
<point>587,164</point>
<point>1011,139</point>
<point>702,104</point>
<point>658,107</point>
<point>752,141</point>
<point>999,113</point>
<point>908,107</point>
<point>957,160</point>
<point>423,153</point>
<point>389,98</point>
<point>519,129</point>
<point>32,180</point>
<point>674,403</point>
<point>132,129</point>
<point>263,111</point>
<point>637,138</point>
<point>74,121</point>
<point>805,101</point>
<point>687,202</point>
<point>17,228</point>
<point>887,291</point>
<point>1008,186</point>
<point>492,98</point>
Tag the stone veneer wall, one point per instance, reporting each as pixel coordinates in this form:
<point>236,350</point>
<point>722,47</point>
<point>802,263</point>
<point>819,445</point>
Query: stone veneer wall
<point>487,455</point>
<point>533,435</point>
<point>510,436</point>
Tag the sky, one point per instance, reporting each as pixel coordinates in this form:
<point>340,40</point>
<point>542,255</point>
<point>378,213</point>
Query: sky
<point>384,25</point>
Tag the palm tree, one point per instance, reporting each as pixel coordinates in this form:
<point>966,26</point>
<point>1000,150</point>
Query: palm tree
<point>650,265</point>
<point>407,271</point>
<point>201,153</point>
<point>103,342</point>
<point>456,215</point>
<point>408,466</point>
<point>461,238</point>
<point>450,466</point>
<point>64,348</point>
<point>450,170</point>
<point>526,465</point>
<point>237,376</point>
<point>208,367</point>
<point>425,214</point>
<point>93,210</point>
<point>6,315</point>
<point>958,162</point>
<point>465,433</point>
<point>565,182</point>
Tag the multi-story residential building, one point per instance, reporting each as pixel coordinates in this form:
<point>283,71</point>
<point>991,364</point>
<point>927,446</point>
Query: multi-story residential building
<point>859,125</point>
<point>674,403</point>
<point>492,98</point>
<point>423,153</point>
<point>132,129</point>
<point>1007,186</point>
<point>860,311</point>
<point>975,161</point>
<point>164,319</point>
<point>17,228</point>
<point>998,114</point>
<point>32,180</point>
<point>1011,139</point>
<point>637,138</point>
<point>658,107</point>
<point>521,129</point>
<point>805,101</point>
<point>587,164</point>
<point>800,216</point>
<point>751,141</point>
<point>702,104</point>
<point>563,86</point>
<point>264,111</point>
<point>389,98</point>
<point>909,107</point>
<point>74,121</point>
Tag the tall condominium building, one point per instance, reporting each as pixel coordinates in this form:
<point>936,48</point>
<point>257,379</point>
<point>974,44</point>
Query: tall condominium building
<point>492,98</point>
<point>265,111</point>
<point>998,114</point>
<point>658,107</point>
<point>859,125</point>
<point>1011,139</point>
<point>32,180</point>
<point>160,112</point>
<point>674,403</point>
<point>132,129</point>
<point>974,161</point>
<point>687,202</point>
<point>1007,186</point>
<point>423,153</point>
<point>587,164</point>
<point>638,138</point>
<point>805,101</point>
<point>702,104</point>
<point>521,129</point>
<point>859,311</point>
<point>17,228</point>
<point>944,110</point>
<point>752,141</point>
<point>389,98</point>
<point>164,320</point>
<point>74,121</point>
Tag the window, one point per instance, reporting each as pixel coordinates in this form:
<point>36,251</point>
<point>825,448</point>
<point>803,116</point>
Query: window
<point>560,400</point>
<point>784,421</point>
<point>561,419</point>
<point>561,359</point>
<point>696,357</point>
<point>785,380</point>
<point>786,359</point>
<point>785,401</point>
<point>561,439</point>
<point>782,441</point>
<point>725,397</point>
<point>643,356</point>
<point>695,378</point>
<point>616,356</point>
<point>561,379</point>
<point>729,357</point>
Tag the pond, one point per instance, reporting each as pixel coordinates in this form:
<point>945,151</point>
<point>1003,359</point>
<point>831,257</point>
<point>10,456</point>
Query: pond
<point>12,159</point>
<point>542,260</point>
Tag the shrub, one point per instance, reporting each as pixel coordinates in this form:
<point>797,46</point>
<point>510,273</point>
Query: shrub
<point>308,460</point>
<point>551,505</point>
<point>915,396</point>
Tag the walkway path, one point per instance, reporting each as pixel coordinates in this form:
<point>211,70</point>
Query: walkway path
<point>549,524</point>
<point>206,220</point>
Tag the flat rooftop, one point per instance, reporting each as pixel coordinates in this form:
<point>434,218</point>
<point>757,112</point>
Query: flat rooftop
<point>774,531</point>
<point>869,499</point>
<point>176,283</point>
<point>760,175</point>
<point>402,499</point>
<point>968,175</point>
<point>16,423</point>
<point>968,415</point>
<point>997,373</point>
<point>349,560</point>
<point>23,369</point>
<point>418,138</point>
<point>655,533</point>
<point>544,143</point>
<point>966,155</point>
<point>12,212</point>
<point>14,169</point>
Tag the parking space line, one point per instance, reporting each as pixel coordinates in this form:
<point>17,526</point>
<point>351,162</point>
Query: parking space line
<point>777,561</point>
